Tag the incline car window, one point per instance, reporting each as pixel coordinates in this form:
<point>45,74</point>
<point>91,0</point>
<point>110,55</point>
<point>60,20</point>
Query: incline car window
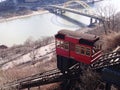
<point>88,53</point>
<point>72,46</point>
<point>62,44</point>
<point>58,43</point>
<point>77,49</point>
<point>66,45</point>
<point>82,50</point>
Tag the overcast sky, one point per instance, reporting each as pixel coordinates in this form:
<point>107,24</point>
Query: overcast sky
<point>2,0</point>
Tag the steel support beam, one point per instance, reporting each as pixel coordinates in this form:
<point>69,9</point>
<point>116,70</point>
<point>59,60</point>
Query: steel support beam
<point>108,86</point>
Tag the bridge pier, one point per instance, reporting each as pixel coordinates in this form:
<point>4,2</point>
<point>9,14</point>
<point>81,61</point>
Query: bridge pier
<point>93,22</point>
<point>59,11</point>
<point>93,1</point>
<point>63,11</point>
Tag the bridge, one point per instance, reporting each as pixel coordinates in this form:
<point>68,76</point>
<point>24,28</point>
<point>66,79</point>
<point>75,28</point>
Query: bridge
<point>74,6</point>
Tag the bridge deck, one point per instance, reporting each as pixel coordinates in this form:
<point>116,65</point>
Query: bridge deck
<point>80,12</point>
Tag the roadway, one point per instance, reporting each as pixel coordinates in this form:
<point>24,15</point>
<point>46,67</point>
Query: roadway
<point>80,12</point>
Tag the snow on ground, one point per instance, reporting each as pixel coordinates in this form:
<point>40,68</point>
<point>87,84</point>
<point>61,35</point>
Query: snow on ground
<point>40,53</point>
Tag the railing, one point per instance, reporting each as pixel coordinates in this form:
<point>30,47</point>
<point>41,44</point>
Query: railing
<point>106,60</point>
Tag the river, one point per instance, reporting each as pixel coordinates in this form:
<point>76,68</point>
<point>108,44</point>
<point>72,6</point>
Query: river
<point>37,26</point>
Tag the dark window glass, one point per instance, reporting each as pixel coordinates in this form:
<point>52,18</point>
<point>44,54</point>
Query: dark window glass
<point>88,53</point>
<point>66,45</point>
<point>58,43</point>
<point>82,50</point>
<point>72,46</point>
<point>62,44</point>
<point>77,49</point>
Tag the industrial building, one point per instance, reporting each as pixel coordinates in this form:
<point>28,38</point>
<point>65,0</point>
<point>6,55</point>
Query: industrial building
<point>7,4</point>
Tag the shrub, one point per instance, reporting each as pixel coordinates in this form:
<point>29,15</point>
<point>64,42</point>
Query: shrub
<point>111,41</point>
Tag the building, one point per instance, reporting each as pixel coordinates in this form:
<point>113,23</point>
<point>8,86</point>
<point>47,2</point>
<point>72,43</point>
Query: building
<point>7,4</point>
<point>3,47</point>
<point>30,1</point>
<point>27,1</point>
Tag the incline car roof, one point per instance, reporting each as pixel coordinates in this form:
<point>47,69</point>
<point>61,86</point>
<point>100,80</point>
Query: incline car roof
<point>79,35</point>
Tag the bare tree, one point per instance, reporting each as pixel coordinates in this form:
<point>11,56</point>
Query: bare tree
<point>33,55</point>
<point>108,16</point>
<point>29,42</point>
<point>3,54</point>
<point>47,40</point>
<point>89,80</point>
<point>117,22</point>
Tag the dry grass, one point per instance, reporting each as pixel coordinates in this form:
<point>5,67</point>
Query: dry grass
<point>53,86</point>
<point>28,70</point>
<point>111,41</point>
<point>89,80</point>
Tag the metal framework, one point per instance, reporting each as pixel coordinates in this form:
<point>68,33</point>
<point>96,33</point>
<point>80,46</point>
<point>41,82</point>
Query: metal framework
<point>85,5</point>
<point>48,77</point>
<point>107,60</point>
<point>55,75</point>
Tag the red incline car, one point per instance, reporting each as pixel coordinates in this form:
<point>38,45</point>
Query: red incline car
<point>73,47</point>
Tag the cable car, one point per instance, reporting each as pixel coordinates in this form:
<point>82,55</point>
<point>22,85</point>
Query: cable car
<point>76,47</point>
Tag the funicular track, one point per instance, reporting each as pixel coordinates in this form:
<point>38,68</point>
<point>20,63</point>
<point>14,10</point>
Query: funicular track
<point>55,75</point>
<point>48,77</point>
<point>107,60</point>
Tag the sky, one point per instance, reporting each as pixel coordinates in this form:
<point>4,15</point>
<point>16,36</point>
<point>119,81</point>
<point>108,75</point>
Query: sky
<point>2,0</point>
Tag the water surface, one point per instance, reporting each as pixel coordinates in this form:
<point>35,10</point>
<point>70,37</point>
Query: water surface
<point>47,24</point>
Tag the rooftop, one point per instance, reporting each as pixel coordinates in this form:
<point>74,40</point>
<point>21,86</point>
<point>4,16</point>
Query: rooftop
<point>78,35</point>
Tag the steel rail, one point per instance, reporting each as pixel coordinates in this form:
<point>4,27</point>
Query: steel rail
<point>56,75</point>
<point>106,60</point>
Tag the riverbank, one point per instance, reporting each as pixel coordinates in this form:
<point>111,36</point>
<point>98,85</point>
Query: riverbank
<point>33,13</point>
